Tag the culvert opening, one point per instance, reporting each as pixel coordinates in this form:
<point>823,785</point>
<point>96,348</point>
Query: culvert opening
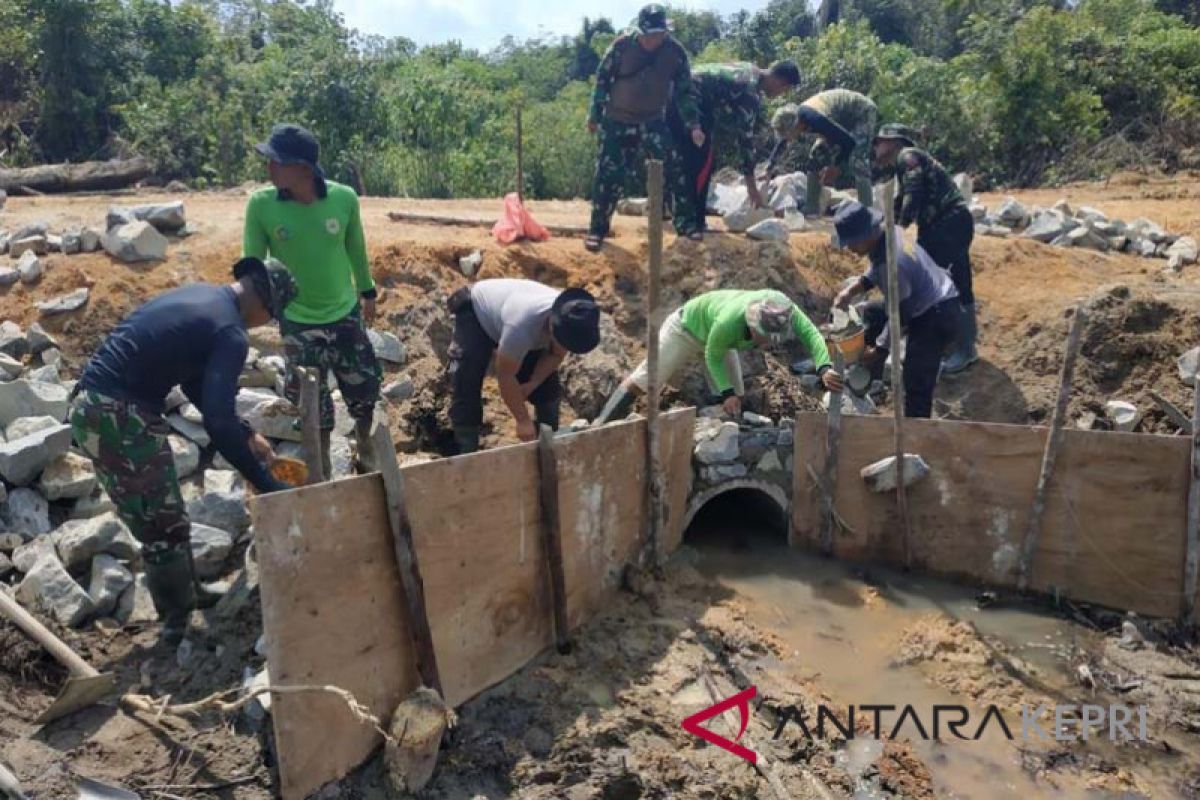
<point>742,518</point>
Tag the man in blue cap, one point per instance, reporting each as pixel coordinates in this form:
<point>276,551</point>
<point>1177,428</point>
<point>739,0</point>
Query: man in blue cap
<point>527,328</point>
<point>929,305</point>
<point>314,227</point>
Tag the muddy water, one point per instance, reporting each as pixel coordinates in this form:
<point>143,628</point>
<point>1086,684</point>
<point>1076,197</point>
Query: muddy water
<point>842,628</point>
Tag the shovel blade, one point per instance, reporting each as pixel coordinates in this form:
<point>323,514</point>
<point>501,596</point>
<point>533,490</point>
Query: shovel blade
<point>95,790</point>
<point>79,692</point>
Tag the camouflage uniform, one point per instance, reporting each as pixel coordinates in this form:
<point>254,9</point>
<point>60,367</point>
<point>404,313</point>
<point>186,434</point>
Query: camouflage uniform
<point>342,348</point>
<point>731,114</point>
<point>854,114</point>
<point>625,137</point>
<point>129,448</point>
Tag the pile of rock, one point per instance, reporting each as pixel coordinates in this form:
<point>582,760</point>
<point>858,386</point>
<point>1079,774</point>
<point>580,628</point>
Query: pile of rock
<point>131,234</point>
<point>1087,227</point>
<point>756,447</point>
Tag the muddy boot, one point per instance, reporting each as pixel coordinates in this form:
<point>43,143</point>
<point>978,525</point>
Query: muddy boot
<point>172,587</point>
<point>964,354</point>
<point>617,407</point>
<point>467,440</point>
<point>327,454</point>
<point>367,462</point>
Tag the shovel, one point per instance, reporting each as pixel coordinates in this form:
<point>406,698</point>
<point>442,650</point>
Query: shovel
<point>95,790</point>
<point>84,686</point>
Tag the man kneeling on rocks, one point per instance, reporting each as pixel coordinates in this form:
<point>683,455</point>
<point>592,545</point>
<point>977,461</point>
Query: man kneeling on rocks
<point>529,328</point>
<point>193,337</point>
<point>715,326</point>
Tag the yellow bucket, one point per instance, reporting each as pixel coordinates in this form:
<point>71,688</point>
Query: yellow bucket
<point>291,471</point>
<point>851,344</point>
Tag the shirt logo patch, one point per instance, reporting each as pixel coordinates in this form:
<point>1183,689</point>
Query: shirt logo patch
<point>333,226</point>
<point>282,234</point>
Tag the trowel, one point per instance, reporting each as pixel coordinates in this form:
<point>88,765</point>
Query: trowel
<point>95,790</point>
<point>10,787</point>
<point>84,685</point>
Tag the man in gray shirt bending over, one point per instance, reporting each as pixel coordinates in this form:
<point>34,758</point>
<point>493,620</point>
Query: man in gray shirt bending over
<point>530,328</point>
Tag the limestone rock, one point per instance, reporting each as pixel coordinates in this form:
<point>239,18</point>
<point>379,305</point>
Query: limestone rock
<point>22,459</point>
<point>470,264</point>
<point>71,243</point>
<point>724,472</point>
<point>769,463</point>
<point>28,554</point>
<point>1183,252</point>
<point>1189,366</point>
<point>1086,237</point>
<point>37,244</point>
<point>757,420</point>
<point>79,541</point>
<point>743,219</point>
<point>251,398</point>
<point>23,398</point>
<point>210,547</point>
<point>13,341</point>
<point>631,207</point>
<point>6,566</point>
<point>63,304</point>
<point>1013,213</point>
<point>191,430</point>
<point>186,455</point>
<point>28,425</point>
<point>89,240</point>
<point>29,267</point>
<point>387,346</point>
<point>165,217</point>
<point>1093,214</point>
<point>92,506</point>
<point>136,605</point>
<point>221,503</point>
<point>966,186</point>
<point>769,230</point>
<point>719,448</point>
<point>110,579</point>
<point>27,512</point>
<point>52,357</point>
<point>8,276</point>
<point>978,211</point>
<point>276,419</point>
<point>10,542</point>
<point>1125,416</point>
<point>68,477</point>
<point>49,586</point>
<point>1048,226</point>
<point>46,374</point>
<point>134,242</point>
<point>400,390</point>
<point>881,476</point>
<point>10,368</point>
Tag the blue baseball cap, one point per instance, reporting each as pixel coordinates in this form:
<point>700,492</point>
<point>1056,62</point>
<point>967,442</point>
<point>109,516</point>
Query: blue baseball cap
<point>853,223</point>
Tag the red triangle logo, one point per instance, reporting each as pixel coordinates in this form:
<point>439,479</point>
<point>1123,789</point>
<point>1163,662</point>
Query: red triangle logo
<point>741,702</point>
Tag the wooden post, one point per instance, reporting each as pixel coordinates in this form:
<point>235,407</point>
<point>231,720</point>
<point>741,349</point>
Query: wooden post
<point>832,441</point>
<point>654,172</point>
<point>1050,454</point>
<point>894,335</point>
<point>552,535</point>
<point>1192,576</point>
<point>310,425</point>
<point>520,159</point>
<point>406,554</point>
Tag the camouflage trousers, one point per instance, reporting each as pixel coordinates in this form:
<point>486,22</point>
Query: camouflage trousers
<point>859,168</point>
<point>620,144</point>
<point>341,348</point>
<point>129,448</point>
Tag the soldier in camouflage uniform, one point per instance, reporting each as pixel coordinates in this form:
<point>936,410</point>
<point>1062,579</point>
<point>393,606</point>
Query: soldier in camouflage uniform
<point>634,85</point>
<point>844,123</point>
<point>729,99</point>
<point>928,196</point>
<point>193,337</point>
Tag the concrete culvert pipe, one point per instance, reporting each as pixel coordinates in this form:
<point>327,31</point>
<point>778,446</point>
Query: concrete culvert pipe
<point>751,510</point>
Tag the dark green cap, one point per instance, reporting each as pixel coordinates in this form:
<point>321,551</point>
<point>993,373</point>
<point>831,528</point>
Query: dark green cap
<point>653,19</point>
<point>898,132</point>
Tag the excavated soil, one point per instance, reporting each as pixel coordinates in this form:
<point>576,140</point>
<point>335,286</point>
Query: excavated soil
<point>604,721</point>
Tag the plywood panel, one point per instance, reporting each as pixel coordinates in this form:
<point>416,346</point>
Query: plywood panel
<point>677,442</point>
<point>332,614</point>
<point>1114,525</point>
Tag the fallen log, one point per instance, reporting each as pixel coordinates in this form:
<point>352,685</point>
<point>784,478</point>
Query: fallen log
<point>475,222</point>
<point>85,176</point>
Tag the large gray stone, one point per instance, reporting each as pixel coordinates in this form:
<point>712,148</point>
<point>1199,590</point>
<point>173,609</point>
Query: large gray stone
<point>110,579</point>
<point>1048,226</point>
<point>166,217</point>
<point>68,477</point>
<point>28,554</point>
<point>769,230</point>
<point>387,346</point>
<point>881,476</point>
<point>89,240</point>
<point>13,341</point>
<point>400,390</point>
<point>22,398</point>
<point>746,217</point>
<point>186,455</point>
<point>966,186</point>
<point>468,265</point>
<point>1189,366</point>
<point>50,587</point>
<point>221,503</point>
<point>721,447</point>
<point>10,368</point>
<point>29,425</point>
<point>10,542</point>
<point>190,429</point>
<point>136,605</point>
<point>92,506</point>
<point>27,512</point>
<point>8,276</point>
<point>1086,237</point>
<point>250,398</point>
<point>19,246</point>
<point>22,459</point>
<point>46,374</point>
<point>52,357</point>
<point>191,413</point>
<point>38,228</point>
<point>1091,214</point>
<point>134,242</point>
<point>81,540</point>
<point>276,419</point>
<point>210,548</point>
<point>1183,252</point>
<point>6,567</point>
<point>29,267</point>
<point>64,304</point>
<point>71,243</point>
<point>1013,213</point>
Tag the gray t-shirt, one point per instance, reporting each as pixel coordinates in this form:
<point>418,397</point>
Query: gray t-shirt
<point>513,313</point>
<point>923,283</point>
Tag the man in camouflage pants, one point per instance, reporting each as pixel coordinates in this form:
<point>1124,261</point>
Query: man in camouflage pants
<point>929,197</point>
<point>729,100</point>
<point>844,123</point>
<point>193,337</point>
<point>639,76</point>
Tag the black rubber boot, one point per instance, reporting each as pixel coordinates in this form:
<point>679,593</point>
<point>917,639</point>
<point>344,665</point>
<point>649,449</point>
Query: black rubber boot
<point>367,463</point>
<point>172,587</point>
<point>617,407</point>
<point>467,440</point>
<point>547,414</point>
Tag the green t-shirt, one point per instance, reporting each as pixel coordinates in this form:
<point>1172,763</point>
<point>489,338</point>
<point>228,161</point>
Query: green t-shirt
<point>321,244</point>
<point>719,320</point>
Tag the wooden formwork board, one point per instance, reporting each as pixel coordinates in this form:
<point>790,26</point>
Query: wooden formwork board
<point>331,595</point>
<point>1115,518</point>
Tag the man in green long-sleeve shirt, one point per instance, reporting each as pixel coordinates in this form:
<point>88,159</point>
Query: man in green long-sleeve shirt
<point>715,326</point>
<point>314,227</point>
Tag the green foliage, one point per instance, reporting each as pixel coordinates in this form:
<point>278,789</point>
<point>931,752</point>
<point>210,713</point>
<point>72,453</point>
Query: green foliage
<point>1010,90</point>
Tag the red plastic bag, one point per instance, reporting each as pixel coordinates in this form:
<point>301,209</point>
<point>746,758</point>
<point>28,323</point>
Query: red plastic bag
<point>517,223</point>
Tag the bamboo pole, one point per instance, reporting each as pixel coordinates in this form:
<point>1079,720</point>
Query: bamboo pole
<point>310,425</point>
<point>832,441</point>
<point>1192,576</point>
<point>894,334</point>
<point>1050,454</point>
<point>654,172</point>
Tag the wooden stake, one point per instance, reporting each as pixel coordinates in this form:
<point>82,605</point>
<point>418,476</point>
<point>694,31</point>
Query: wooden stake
<point>654,190</point>
<point>1192,575</point>
<point>894,334</point>
<point>310,425</point>
<point>406,554</point>
<point>520,159</point>
<point>552,535</point>
<point>832,440</point>
<point>1050,454</point>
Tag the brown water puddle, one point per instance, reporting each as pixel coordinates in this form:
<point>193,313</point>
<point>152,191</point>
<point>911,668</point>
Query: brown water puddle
<point>844,636</point>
